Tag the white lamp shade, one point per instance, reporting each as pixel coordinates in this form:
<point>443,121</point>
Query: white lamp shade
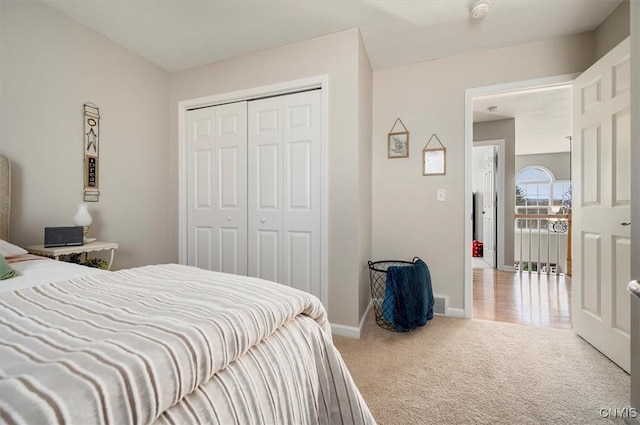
<point>82,216</point>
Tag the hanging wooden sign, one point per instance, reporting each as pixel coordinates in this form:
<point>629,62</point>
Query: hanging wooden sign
<point>91,151</point>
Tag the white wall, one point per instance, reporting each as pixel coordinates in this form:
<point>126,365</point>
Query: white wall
<point>557,163</point>
<point>365,99</point>
<point>341,56</point>
<point>613,29</point>
<point>429,97</point>
<point>50,67</point>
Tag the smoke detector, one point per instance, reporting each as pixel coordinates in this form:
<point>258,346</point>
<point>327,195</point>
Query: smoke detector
<point>479,9</point>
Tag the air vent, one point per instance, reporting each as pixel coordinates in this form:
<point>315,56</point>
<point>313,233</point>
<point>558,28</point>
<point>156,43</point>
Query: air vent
<point>440,305</point>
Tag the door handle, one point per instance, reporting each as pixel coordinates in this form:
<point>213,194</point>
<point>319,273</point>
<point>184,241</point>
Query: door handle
<point>228,218</point>
<point>625,224</point>
<point>264,220</point>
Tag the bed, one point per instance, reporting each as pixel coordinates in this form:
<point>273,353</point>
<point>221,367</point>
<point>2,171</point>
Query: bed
<point>167,344</point>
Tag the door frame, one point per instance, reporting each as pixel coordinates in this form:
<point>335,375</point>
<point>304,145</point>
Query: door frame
<point>635,194</point>
<point>499,204</point>
<point>468,137</point>
<point>278,89</point>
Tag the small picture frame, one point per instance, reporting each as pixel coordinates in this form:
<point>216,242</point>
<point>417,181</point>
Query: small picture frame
<point>434,162</point>
<point>398,145</point>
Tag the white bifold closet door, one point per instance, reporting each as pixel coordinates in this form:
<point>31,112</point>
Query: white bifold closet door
<point>217,188</point>
<point>285,183</point>
<point>254,189</point>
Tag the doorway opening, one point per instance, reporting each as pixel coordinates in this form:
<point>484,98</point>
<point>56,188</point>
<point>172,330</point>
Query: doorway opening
<point>518,125</point>
<point>488,214</point>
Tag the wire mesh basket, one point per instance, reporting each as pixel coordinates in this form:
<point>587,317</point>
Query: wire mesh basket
<point>382,309</point>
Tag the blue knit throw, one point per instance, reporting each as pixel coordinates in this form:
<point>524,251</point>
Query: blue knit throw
<point>408,301</point>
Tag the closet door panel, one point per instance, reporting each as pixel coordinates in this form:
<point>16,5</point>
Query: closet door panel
<point>202,239</point>
<point>217,188</point>
<point>229,248</point>
<point>228,175</point>
<point>298,160</point>
<point>302,184</point>
<point>268,185</point>
<point>265,188</point>
<point>231,186</point>
<point>203,247</point>
<point>203,168</point>
<point>285,186</point>
<point>268,261</point>
<point>300,260</point>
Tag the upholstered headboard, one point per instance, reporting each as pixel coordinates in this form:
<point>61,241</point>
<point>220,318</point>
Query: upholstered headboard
<point>5,196</point>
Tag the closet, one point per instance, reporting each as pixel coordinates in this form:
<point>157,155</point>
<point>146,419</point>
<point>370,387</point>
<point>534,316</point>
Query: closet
<point>254,189</point>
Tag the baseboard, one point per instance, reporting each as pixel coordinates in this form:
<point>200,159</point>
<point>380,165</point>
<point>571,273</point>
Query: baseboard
<point>352,331</point>
<point>455,312</point>
<point>356,331</point>
<point>508,269</point>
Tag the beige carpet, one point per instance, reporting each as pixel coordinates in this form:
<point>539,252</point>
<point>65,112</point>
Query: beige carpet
<point>456,371</point>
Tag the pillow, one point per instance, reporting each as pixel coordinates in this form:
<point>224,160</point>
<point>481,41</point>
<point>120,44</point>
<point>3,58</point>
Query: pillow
<point>10,250</point>
<point>6,272</point>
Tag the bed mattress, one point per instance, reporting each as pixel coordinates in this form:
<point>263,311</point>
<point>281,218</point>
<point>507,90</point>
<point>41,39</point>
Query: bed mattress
<point>171,344</point>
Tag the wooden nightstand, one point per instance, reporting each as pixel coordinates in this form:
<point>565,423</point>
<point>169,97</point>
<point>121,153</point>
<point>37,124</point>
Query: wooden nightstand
<point>56,252</point>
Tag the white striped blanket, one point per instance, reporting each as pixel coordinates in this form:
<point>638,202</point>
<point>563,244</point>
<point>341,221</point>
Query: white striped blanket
<point>171,344</point>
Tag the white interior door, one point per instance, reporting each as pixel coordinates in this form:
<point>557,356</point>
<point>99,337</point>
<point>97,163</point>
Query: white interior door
<point>489,207</point>
<point>285,190</point>
<point>265,188</point>
<point>302,182</point>
<point>217,188</point>
<point>601,205</point>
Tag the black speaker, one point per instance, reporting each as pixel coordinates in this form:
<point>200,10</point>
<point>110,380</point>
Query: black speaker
<point>62,236</point>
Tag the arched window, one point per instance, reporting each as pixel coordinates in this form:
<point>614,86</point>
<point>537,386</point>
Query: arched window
<point>537,191</point>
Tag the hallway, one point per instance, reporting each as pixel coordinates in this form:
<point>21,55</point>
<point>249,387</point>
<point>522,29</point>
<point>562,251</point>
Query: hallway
<point>527,298</point>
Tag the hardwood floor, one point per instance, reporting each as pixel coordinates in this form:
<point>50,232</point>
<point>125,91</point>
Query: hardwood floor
<point>531,299</point>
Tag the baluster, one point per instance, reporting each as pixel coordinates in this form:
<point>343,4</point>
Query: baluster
<point>520,257</point>
<point>529,228</point>
<point>548,248</point>
<point>558,250</point>
<point>539,257</point>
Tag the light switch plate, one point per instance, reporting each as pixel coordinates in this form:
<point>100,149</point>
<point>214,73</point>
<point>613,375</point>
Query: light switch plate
<point>441,195</point>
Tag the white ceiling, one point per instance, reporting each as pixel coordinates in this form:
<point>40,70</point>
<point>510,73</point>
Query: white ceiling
<point>542,117</point>
<point>178,35</point>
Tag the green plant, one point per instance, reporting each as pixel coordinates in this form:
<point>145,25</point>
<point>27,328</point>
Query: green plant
<point>75,258</point>
<point>525,266</point>
<point>521,198</point>
<point>96,263</point>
